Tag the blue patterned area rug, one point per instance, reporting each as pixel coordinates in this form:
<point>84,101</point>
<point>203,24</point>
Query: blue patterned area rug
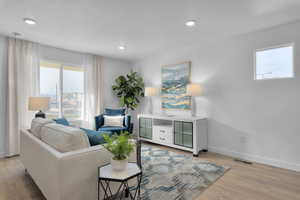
<point>172,176</point>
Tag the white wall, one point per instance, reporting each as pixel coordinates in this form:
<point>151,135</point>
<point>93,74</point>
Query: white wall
<point>112,68</point>
<point>255,120</point>
<point>3,85</point>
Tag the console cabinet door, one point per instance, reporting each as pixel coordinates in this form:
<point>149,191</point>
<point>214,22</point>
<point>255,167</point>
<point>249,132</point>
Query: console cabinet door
<point>145,128</point>
<point>183,134</point>
<point>178,133</point>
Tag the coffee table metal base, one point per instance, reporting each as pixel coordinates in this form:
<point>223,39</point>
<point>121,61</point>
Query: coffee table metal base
<point>123,190</point>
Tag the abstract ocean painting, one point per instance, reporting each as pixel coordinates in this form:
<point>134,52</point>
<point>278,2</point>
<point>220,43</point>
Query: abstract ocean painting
<point>174,82</point>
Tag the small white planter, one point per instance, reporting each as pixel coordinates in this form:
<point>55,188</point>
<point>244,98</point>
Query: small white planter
<point>118,165</point>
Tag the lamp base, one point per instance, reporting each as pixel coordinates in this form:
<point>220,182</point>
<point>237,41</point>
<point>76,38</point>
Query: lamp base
<point>40,114</point>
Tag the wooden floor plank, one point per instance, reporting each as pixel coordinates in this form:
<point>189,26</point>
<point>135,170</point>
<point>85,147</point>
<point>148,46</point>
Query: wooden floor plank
<point>241,182</point>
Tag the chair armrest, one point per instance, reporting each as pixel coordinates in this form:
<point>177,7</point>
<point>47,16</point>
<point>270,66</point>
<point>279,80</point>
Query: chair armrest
<point>127,120</point>
<point>130,128</point>
<point>99,121</point>
<point>128,124</point>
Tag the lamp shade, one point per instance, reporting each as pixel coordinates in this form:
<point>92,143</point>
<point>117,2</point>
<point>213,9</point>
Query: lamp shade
<point>194,90</point>
<point>150,91</point>
<point>38,103</point>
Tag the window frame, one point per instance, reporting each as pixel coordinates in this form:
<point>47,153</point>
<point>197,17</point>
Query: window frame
<point>292,44</point>
<point>61,82</point>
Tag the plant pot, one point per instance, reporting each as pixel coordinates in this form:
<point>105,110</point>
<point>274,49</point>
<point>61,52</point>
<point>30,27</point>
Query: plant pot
<point>118,165</point>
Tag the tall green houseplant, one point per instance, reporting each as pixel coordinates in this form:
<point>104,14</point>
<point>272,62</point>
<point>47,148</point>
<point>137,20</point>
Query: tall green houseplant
<point>129,89</point>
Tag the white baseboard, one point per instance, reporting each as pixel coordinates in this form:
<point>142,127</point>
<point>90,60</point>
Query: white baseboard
<point>258,159</point>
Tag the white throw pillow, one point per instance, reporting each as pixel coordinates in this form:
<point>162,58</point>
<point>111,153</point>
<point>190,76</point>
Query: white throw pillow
<point>113,120</point>
<point>37,124</point>
<point>64,138</point>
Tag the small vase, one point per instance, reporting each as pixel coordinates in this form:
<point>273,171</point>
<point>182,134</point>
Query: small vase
<point>118,165</point>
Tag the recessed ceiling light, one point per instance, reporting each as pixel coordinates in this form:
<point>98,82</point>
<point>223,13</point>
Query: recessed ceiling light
<point>29,21</point>
<point>190,23</point>
<point>122,47</point>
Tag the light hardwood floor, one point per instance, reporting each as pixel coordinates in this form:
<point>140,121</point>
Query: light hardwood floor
<point>241,182</point>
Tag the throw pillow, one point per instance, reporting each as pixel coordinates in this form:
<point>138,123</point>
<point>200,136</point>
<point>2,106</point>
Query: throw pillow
<point>96,137</point>
<point>62,121</point>
<point>113,120</point>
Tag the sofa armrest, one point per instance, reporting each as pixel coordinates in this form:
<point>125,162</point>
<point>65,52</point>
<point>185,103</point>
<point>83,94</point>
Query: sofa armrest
<point>41,162</point>
<point>79,172</point>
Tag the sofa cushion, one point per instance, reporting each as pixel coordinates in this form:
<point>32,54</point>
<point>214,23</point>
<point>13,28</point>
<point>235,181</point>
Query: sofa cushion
<point>37,124</point>
<point>62,121</point>
<point>64,138</point>
<point>96,137</point>
<point>120,111</point>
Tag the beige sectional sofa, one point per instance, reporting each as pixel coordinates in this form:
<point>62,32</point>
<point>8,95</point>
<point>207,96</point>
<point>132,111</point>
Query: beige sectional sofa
<point>61,161</point>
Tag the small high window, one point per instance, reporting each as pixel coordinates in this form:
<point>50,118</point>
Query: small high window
<point>275,62</point>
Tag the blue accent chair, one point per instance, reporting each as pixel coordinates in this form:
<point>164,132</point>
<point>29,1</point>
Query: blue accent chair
<point>127,125</point>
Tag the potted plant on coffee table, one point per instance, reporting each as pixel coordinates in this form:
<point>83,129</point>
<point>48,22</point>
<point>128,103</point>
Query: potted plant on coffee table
<point>120,146</point>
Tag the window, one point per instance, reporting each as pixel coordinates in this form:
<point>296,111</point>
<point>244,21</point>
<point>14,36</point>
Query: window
<point>275,63</point>
<point>73,92</point>
<point>64,84</point>
<point>49,86</point>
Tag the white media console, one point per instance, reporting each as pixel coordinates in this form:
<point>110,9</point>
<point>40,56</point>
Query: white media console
<point>181,132</point>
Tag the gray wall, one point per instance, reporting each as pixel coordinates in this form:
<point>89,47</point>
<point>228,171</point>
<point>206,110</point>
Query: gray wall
<point>255,120</point>
<point>3,85</point>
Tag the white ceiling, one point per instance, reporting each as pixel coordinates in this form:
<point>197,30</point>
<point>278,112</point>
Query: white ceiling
<point>144,26</point>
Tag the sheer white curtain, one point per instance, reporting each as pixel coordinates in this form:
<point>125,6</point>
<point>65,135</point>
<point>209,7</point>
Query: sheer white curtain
<point>93,88</point>
<point>23,68</point>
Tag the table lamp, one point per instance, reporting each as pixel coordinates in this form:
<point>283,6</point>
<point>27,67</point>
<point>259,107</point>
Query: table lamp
<point>150,92</point>
<point>39,104</point>
<point>193,90</point>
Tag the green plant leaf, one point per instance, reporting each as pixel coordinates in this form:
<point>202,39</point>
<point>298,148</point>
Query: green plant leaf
<point>119,146</point>
<point>129,100</point>
<point>129,88</point>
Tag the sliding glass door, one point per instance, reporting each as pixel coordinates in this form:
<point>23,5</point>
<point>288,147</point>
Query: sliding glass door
<point>73,92</point>
<point>50,86</point>
<point>64,84</point>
